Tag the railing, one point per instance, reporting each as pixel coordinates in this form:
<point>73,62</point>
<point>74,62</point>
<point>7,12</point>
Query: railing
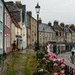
<point>69,70</point>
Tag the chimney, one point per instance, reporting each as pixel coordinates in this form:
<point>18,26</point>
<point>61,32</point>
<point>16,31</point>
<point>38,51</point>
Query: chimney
<point>67,26</point>
<point>40,21</point>
<point>18,2</point>
<point>49,24</point>
<point>62,24</point>
<point>29,13</point>
<point>55,22</point>
<point>72,26</point>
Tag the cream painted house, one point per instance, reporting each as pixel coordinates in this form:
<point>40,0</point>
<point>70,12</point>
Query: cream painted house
<point>23,23</point>
<point>15,32</point>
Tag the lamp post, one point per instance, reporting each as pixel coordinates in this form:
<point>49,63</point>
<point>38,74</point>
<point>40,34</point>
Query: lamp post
<point>37,7</point>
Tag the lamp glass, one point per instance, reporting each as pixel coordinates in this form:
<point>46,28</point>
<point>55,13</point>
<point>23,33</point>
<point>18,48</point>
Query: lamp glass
<point>37,8</point>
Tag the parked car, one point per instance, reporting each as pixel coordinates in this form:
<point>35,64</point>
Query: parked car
<point>73,50</point>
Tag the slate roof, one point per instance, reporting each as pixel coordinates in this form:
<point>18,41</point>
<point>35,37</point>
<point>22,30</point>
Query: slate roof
<point>23,7</point>
<point>46,27</point>
<point>16,24</point>
<point>58,28</point>
<point>67,29</point>
<point>72,28</point>
<point>14,10</point>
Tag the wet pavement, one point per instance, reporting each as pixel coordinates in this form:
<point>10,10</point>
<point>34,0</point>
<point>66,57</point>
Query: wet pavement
<point>67,55</point>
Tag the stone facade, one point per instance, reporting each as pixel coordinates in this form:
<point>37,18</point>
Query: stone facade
<point>32,28</point>
<point>46,33</point>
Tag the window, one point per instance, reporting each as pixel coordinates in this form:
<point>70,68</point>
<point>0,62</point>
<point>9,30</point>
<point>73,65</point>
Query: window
<point>0,39</point>
<point>8,40</point>
<point>9,21</point>
<point>60,33</point>
<point>56,33</point>
<point>1,13</point>
<point>5,43</point>
<point>5,18</point>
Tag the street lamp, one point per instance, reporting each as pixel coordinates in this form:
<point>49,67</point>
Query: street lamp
<point>37,7</point>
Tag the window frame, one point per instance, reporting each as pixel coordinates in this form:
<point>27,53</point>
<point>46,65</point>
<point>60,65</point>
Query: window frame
<point>1,13</point>
<point>1,46</point>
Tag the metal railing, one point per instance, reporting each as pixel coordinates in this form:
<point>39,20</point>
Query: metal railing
<point>69,70</point>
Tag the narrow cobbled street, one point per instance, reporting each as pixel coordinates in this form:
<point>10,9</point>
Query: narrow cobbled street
<point>16,64</point>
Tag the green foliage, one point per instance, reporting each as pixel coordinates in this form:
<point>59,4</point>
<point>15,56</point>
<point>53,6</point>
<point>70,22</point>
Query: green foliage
<point>30,64</point>
<point>40,54</point>
<point>11,71</point>
<point>38,73</point>
<point>11,66</point>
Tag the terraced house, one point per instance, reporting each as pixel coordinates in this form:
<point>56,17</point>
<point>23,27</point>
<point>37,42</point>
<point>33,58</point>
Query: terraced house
<point>7,30</point>
<point>17,15</point>
<point>46,33</point>
<point>24,23</point>
<point>32,29</point>
<point>1,25</point>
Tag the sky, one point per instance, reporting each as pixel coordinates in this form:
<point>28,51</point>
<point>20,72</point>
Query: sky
<point>60,10</point>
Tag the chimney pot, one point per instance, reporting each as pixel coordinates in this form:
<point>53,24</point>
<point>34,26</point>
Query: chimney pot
<point>29,13</point>
<point>18,2</point>
<point>55,22</point>
<point>49,24</point>
<point>62,24</point>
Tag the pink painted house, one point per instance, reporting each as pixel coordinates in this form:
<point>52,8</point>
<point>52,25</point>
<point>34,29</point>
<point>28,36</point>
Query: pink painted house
<point>7,32</point>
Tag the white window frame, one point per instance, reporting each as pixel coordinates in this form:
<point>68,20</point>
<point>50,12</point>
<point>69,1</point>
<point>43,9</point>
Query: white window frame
<point>5,18</point>
<point>5,42</point>
<point>9,40</point>
<point>1,42</point>
<point>1,13</point>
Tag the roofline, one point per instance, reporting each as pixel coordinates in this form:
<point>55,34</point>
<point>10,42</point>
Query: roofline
<point>32,17</point>
<point>16,24</point>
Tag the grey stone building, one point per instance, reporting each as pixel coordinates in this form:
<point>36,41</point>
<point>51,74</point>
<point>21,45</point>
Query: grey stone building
<point>46,33</point>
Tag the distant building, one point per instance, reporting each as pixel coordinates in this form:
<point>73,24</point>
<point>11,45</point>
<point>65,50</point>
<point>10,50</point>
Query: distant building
<point>46,33</point>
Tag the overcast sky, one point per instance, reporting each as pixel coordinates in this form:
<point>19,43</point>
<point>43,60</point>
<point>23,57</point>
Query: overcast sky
<point>60,10</point>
